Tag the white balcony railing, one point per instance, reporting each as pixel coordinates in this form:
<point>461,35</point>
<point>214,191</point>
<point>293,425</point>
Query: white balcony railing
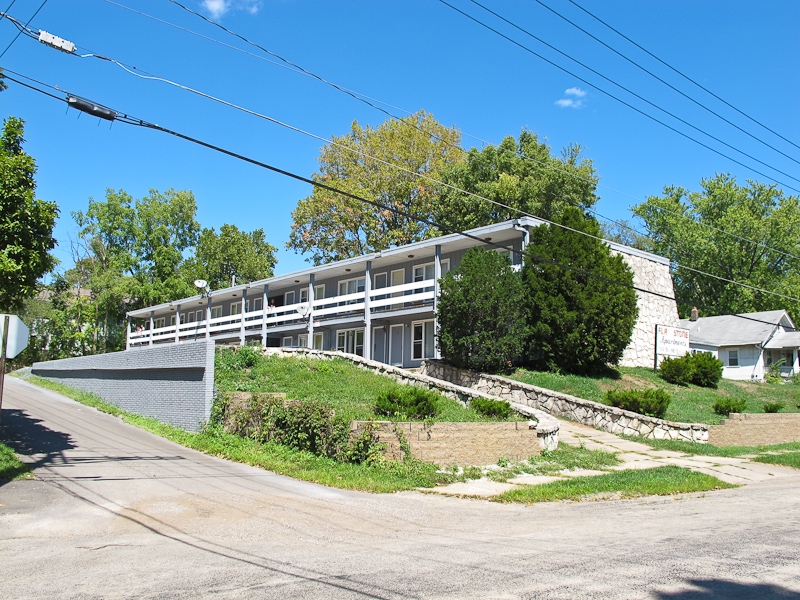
<point>382,302</point>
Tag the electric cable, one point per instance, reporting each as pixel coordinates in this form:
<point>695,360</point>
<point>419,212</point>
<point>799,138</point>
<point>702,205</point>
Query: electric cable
<point>686,77</point>
<point>666,83</point>
<point>622,87</point>
<point>11,43</point>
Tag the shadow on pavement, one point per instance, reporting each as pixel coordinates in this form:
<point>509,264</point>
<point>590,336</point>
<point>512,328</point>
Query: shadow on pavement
<point>721,589</point>
<point>26,435</point>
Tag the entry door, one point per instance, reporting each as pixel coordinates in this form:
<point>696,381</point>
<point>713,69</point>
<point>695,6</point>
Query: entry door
<point>396,345</point>
<point>379,344</point>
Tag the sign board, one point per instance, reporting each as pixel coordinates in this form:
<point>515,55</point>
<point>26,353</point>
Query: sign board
<point>17,335</point>
<point>671,341</point>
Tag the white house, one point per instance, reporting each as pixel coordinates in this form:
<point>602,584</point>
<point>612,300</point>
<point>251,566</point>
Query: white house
<point>747,344</point>
<point>380,305</point>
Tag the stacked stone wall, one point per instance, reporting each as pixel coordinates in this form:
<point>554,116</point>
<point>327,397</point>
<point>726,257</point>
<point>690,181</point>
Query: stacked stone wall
<point>594,414</point>
<point>756,430</point>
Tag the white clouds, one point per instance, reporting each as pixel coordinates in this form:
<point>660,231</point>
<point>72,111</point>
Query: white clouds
<point>217,8</point>
<point>575,102</point>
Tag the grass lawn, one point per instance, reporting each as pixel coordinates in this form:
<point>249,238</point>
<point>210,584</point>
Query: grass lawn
<point>351,391</point>
<point>661,481</point>
<point>11,467</point>
<point>691,404</point>
<point>708,449</point>
<point>787,459</point>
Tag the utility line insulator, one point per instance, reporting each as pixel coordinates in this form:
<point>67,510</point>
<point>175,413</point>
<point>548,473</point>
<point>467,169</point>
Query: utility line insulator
<point>56,42</point>
<point>90,108</point>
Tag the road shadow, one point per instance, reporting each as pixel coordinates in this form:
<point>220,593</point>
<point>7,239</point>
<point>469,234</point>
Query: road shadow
<point>26,435</point>
<point>721,589</point>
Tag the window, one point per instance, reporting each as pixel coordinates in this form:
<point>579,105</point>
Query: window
<point>426,272</point>
<point>350,341</point>
<point>236,308</point>
<point>255,304</point>
<point>200,315</point>
<point>398,278</point>
<point>733,358</point>
<point>216,312</point>
<point>159,323</point>
<point>318,341</point>
<point>304,295</point>
<point>381,280</point>
<point>302,340</point>
<point>190,317</point>
<point>288,298</point>
<point>319,292</point>
<point>423,340</point>
<point>172,320</point>
<point>351,286</point>
<point>287,341</point>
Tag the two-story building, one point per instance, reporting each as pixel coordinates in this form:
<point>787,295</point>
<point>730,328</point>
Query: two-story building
<point>381,305</point>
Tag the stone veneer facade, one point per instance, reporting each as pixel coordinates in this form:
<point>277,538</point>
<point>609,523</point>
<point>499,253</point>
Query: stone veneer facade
<point>594,414</point>
<point>650,273</point>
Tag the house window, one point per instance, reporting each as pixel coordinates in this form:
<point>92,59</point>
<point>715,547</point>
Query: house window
<point>255,304</point>
<point>733,358</point>
<point>236,308</point>
<point>287,341</point>
<point>426,272</point>
<point>350,341</point>
<point>351,286</point>
<point>302,340</point>
<point>216,312</point>
<point>172,320</point>
<point>304,295</point>
<point>190,317</point>
<point>318,341</point>
<point>319,292</point>
<point>159,323</point>
<point>423,340</point>
<point>200,315</point>
<point>288,298</point>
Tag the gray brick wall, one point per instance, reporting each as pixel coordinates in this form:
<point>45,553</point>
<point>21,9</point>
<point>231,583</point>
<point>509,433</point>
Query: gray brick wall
<point>171,383</point>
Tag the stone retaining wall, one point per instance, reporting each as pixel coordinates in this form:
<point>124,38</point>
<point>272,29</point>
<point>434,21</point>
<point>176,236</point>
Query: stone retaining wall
<point>756,429</point>
<point>446,444</point>
<point>546,426</point>
<point>594,414</point>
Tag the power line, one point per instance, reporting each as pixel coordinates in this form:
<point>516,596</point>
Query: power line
<point>622,87</point>
<point>41,6</point>
<point>686,77</point>
<point>669,85</point>
<point>140,123</point>
<point>359,96</point>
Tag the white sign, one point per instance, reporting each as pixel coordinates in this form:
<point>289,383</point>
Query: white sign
<point>671,341</point>
<point>17,335</point>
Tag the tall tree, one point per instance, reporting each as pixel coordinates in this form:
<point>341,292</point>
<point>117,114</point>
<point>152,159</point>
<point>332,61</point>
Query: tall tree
<point>365,162</point>
<point>26,222</point>
<point>231,253</point>
<point>581,306</point>
<point>747,234</point>
<point>523,176</point>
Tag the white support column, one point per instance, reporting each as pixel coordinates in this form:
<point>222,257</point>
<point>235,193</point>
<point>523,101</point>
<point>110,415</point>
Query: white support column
<point>128,337</point>
<point>152,322</point>
<point>367,313</point>
<point>310,341</point>
<point>265,314</point>
<point>244,308</point>
<point>178,324</point>
<point>208,317</point>
<point>437,273</point>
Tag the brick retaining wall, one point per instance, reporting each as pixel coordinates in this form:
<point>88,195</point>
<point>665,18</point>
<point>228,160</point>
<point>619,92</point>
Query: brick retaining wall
<point>594,414</point>
<point>172,383</point>
<point>756,429</point>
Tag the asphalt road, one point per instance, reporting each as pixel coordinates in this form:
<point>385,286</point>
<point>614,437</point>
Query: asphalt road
<point>116,512</point>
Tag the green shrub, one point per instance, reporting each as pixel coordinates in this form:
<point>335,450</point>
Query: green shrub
<point>676,370</point>
<point>237,359</point>
<point>726,406</point>
<point>407,403</point>
<point>773,407</point>
<point>496,409</point>
<point>651,402</point>
<point>706,370</point>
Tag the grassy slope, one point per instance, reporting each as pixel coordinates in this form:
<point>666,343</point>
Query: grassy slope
<point>690,404</point>
<point>350,390</point>
<point>10,466</point>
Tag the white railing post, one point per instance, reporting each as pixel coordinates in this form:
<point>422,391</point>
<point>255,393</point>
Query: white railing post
<point>310,340</point>
<point>178,324</point>
<point>152,322</point>
<point>128,336</point>
<point>367,314</point>
<point>264,315</point>
<point>208,316</point>
<point>244,308</point>
<point>437,273</point>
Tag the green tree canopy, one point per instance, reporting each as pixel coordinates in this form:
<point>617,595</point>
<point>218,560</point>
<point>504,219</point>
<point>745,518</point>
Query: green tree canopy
<point>481,313</point>
<point>332,227</point>
<point>523,175</point>
<point>231,253</point>
<point>580,319</point>
<point>26,226</point>
<point>748,234</point>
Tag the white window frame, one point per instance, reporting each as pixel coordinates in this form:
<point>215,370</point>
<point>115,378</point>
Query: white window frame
<point>255,304</point>
<point>347,282</point>
<point>159,322</point>
<point>172,320</point>
<point>286,341</point>
<point>445,269</point>
<point>304,295</point>
<point>418,348</point>
<point>319,341</point>
<point>216,311</point>
<point>302,340</point>
<point>236,308</point>
<point>402,273</point>
<point>319,292</point>
<point>342,345</point>
<point>200,315</point>
<point>286,296</point>
<point>190,316</point>
<point>736,352</point>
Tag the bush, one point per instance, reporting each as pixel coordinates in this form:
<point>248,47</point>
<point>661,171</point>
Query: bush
<point>407,403</point>
<point>773,407</point>
<point>706,370</point>
<point>237,359</point>
<point>726,406</point>
<point>495,409</point>
<point>651,402</point>
<point>676,370</point>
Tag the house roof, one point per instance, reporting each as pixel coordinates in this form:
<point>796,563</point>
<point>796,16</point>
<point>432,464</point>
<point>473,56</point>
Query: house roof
<point>736,330</point>
<point>785,339</point>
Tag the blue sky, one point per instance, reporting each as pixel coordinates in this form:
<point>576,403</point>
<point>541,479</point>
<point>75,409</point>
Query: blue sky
<point>412,54</point>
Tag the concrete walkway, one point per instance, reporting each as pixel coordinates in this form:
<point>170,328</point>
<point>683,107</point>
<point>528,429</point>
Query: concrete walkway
<point>634,455</point>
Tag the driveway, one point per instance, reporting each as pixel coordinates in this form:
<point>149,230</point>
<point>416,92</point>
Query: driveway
<point>116,512</point>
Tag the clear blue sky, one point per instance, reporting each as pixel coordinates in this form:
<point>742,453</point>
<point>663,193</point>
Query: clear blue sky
<point>412,54</point>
